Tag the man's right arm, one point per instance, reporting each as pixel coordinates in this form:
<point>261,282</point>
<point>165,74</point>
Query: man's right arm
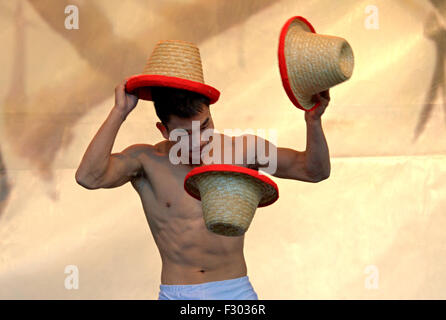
<point>98,166</point>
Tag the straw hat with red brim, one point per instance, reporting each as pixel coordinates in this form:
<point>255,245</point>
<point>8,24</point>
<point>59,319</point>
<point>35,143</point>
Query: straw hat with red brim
<point>310,63</point>
<point>229,196</point>
<point>175,64</point>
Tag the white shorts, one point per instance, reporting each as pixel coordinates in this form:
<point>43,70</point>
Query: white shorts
<point>232,289</point>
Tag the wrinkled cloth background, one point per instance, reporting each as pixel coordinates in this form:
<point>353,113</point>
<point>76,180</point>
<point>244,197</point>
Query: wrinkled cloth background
<point>382,209</point>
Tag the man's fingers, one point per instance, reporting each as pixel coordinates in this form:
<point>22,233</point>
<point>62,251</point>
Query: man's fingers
<point>316,97</point>
<point>326,94</point>
<point>120,87</point>
<point>124,82</point>
<point>321,95</point>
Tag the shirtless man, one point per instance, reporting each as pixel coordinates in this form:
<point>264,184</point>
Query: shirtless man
<point>192,256</point>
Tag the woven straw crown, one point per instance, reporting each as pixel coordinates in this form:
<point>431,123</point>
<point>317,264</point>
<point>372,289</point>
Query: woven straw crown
<point>176,58</point>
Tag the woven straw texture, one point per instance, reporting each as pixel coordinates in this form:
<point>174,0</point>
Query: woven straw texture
<point>315,62</point>
<point>176,58</point>
<point>229,200</point>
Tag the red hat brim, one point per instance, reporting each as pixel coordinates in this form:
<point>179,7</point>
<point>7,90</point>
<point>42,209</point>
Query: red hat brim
<point>231,168</point>
<point>282,62</point>
<point>140,86</point>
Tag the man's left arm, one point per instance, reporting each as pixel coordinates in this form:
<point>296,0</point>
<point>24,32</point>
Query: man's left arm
<point>311,165</point>
<point>317,157</point>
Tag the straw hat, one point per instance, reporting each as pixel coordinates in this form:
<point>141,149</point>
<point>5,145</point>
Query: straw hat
<point>310,63</point>
<point>229,196</point>
<point>173,63</point>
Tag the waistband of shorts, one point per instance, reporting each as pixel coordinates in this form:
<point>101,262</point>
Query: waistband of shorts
<point>240,280</point>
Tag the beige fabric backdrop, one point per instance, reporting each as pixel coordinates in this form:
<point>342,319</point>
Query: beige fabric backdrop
<point>383,207</point>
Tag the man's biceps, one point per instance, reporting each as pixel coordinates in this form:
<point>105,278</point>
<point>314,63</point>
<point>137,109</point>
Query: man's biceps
<point>289,156</point>
<point>123,164</point>
<point>290,160</point>
<point>114,176</point>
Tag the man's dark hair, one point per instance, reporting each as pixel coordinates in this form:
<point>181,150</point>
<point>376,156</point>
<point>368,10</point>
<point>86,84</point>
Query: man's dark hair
<point>179,102</point>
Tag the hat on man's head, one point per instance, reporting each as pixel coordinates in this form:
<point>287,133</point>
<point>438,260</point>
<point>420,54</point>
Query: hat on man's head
<point>229,196</point>
<point>310,63</point>
<point>175,64</point>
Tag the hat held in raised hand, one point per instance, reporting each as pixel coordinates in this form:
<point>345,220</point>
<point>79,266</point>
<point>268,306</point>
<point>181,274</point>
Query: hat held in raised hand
<point>175,64</point>
<point>310,63</point>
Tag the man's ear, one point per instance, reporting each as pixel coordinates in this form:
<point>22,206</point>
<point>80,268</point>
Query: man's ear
<point>163,130</point>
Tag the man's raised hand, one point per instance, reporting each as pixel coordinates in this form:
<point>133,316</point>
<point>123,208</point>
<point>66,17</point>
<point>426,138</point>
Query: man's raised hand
<point>124,101</point>
<point>315,114</point>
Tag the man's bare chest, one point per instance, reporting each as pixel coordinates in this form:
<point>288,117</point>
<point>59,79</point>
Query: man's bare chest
<point>160,187</point>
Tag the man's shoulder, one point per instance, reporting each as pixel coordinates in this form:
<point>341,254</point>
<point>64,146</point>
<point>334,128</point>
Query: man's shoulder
<point>138,149</point>
<point>160,148</point>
